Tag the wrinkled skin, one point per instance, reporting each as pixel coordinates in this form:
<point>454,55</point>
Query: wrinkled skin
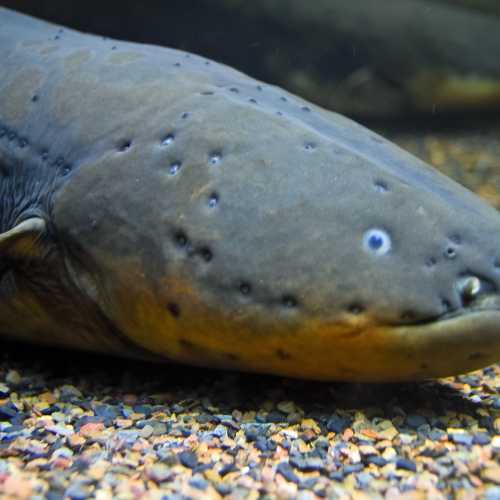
<point>156,204</point>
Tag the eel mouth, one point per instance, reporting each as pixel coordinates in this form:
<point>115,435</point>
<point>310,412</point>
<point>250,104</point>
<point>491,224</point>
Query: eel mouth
<point>474,294</point>
<point>458,341</point>
<point>485,303</point>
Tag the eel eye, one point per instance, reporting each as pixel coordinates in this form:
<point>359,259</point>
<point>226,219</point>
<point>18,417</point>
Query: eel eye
<point>377,242</point>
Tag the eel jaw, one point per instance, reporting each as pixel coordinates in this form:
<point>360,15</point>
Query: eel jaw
<point>457,342</point>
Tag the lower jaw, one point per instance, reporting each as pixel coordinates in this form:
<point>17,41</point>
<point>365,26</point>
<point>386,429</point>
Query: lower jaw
<point>454,344</point>
<point>450,346</point>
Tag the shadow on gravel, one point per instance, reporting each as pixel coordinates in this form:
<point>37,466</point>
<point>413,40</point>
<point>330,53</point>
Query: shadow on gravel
<point>187,389</point>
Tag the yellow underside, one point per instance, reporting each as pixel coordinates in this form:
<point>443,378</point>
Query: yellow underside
<point>350,349</point>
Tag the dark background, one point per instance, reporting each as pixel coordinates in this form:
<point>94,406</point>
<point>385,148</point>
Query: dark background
<point>359,60</point>
<point>206,27</point>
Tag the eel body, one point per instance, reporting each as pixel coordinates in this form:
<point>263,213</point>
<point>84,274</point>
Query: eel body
<point>160,205</point>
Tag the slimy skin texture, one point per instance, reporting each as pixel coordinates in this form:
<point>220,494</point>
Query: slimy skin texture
<point>181,210</point>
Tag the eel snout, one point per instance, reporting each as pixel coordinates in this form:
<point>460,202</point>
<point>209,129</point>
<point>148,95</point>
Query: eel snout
<point>461,341</point>
<point>464,338</point>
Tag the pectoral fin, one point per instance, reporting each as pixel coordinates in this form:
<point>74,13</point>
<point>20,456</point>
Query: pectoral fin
<point>24,241</point>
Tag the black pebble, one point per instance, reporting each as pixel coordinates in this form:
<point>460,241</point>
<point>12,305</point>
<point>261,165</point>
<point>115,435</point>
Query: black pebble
<point>188,459</point>
<point>482,438</point>
<point>262,444</point>
<point>404,463</point>
<point>415,421</point>
<point>349,469</point>
<point>285,469</point>
<point>106,411</point>
<point>307,464</point>
<point>338,475</point>
<point>146,410</point>
<point>8,411</point>
<point>337,424</point>
<point>376,460</point>
<point>80,465</point>
<point>185,432</point>
<point>433,452</point>
<point>227,469</point>
<point>252,434</point>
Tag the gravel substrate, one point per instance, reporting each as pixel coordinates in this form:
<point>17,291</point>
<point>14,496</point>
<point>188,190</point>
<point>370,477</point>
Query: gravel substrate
<point>76,425</point>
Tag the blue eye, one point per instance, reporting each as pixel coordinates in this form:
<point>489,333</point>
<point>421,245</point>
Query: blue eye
<point>377,242</point>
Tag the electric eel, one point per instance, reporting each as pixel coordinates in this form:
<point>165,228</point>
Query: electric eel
<point>159,205</point>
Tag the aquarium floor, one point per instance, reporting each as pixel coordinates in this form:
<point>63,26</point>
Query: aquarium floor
<point>79,426</point>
